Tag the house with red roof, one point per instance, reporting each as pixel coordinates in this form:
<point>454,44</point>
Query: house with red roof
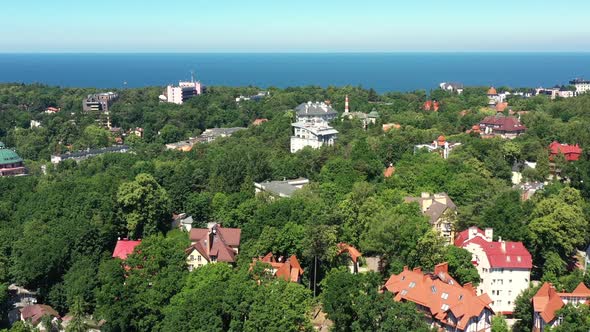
<point>33,314</point>
<point>501,125</point>
<point>571,152</point>
<point>212,244</point>
<point>288,270</point>
<point>353,253</point>
<point>504,267</point>
<point>259,121</point>
<point>431,105</point>
<point>446,304</point>
<point>548,301</point>
<point>124,248</point>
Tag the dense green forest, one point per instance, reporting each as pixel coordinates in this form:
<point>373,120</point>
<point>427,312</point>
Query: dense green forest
<point>58,227</point>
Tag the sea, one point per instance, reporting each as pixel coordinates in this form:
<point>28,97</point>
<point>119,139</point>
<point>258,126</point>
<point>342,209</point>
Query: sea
<point>383,72</point>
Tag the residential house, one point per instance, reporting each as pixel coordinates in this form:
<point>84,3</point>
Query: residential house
<point>257,97</point>
<point>52,110</point>
<point>353,253</point>
<point>446,304</point>
<point>389,171</point>
<point>571,152</point>
<point>182,221</point>
<point>548,301</point>
<point>431,105</point>
<point>212,244</point>
<point>288,270</point>
<point>184,146</point>
<point>284,188</point>
<point>440,146</point>
<point>452,87</point>
<point>10,162</point>
<point>315,112</point>
<point>388,126</point>
<point>211,134</point>
<point>365,118</point>
<point>441,212</point>
<point>503,267</point>
<point>33,314</point>
<point>312,134</point>
<point>528,189</point>
<point>124,248</point>
<point>501,125</point>
<point>88,153</point>
<point>18,298</point>
<point>258,122</point>
<point>494,97</point>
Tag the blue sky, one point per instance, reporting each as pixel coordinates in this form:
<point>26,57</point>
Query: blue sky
<point>293,26</point>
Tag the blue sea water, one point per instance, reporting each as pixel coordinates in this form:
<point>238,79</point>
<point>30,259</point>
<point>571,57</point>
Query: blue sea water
<point>381,71</point>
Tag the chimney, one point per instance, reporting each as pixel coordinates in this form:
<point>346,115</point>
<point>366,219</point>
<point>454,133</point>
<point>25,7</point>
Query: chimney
<point>417,269</point>
<point>441,268</point>
<point>472,232</point>
<point>489,233</point>
<point>503,244</point>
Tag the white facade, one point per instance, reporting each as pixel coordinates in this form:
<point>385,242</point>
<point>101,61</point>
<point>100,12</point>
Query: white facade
<point>182,92</point>
<point>582,86</point>
<point>314,135</point>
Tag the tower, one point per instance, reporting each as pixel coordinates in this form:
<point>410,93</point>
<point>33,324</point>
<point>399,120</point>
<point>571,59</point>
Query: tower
<point>346,109</point>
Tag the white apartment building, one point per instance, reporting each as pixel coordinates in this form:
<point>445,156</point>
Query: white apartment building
<point>179,94</point>
<point>504,267</point>
<point>312,134</point>
<point>582,85</point>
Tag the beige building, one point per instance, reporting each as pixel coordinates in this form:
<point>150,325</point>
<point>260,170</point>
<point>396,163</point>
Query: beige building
<point>441,212</point>
<point>212,244</point>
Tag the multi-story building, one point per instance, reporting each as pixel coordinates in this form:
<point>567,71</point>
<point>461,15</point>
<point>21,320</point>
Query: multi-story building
<point>441,212</point>
<point>314,135</point>
<point>315,112</point>
<point>548,301</point>
<point>185,90</point>
<point>212,244</point>
<point>99,102</point>
<point>89,153</point>
<point>447,306</point>
<point>582,85</point>
<point>452,87</point>
<point>10,162</point>
<point>504,267</point>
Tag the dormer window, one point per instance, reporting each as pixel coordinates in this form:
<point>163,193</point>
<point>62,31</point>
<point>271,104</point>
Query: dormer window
<point>445,296</point>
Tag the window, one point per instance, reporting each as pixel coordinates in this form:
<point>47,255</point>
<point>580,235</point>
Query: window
<point>445,307</point>
<point>444,296</point>
<point>412,284</point>
<point>433,289</point>
<point>199,258</point>
<point>404,292</point>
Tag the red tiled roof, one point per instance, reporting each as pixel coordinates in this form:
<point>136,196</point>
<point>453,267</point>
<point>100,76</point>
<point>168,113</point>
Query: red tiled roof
<point>581,290</point>
<point>259,121</point>
<point>500,107</point>
<point>222,243</point>
<point>347,248</point>
<point>546,302</point>
<point>571,152</point>
<point>440,294</point>
<point>124,248</point>
<point>290,270</point>
<point>500,254</point>
<point>503,123</point>
<point>34,313</point>
<point>492,91</point>
<point>463,236</point>
<point>388,172</point>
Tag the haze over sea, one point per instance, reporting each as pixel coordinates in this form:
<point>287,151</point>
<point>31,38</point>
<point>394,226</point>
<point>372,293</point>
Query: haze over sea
<point>381,71</point>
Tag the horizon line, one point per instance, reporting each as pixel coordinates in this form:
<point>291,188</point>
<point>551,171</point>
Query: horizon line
<point>305,52</point>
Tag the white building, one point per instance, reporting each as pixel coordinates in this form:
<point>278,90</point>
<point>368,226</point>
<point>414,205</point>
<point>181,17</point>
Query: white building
<point>185,90</point>
<point>440,146</point>
<point>504,267</point>
<point>312,128</point>
<point>452,87</point>
<point>582,85</point>
<point>315,112</point>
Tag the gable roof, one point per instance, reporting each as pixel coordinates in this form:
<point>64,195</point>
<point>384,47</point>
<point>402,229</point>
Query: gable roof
<point>436,208</point>
<point>501,122</point>
<point>34,313</point>
<point>350,250</point>
<point>290,270</point>
<point>440,294</point>
<point>317,108</point>
<point>571,152</point>
<point>546,302</point>
<point>507,255</point>
<point>216,241</point>
<point>124,248</point>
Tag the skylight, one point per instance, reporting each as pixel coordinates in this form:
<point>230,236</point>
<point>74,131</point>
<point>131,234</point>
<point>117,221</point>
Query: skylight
<point>445,296</point>
<point>412,284</point>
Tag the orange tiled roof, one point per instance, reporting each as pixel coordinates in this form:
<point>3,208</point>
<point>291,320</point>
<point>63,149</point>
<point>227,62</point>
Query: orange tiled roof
<point>389,171</point>
<point>290,270</point>
<point>352,251</point>
<point>492,91</point>
<point>445,299</point>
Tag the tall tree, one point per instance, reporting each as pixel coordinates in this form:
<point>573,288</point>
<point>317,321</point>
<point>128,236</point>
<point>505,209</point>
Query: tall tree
<point>144,206</point>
